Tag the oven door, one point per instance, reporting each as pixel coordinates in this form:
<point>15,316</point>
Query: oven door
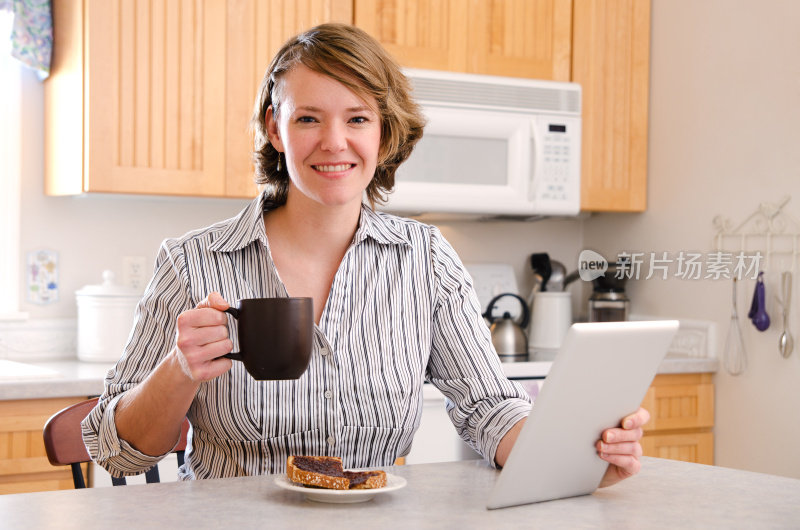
<point>468,161</point>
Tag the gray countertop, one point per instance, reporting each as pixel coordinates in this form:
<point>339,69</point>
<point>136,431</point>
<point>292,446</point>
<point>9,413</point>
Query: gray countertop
<point>75,378</point>
<point>64,378</point>
<point>666,494</point>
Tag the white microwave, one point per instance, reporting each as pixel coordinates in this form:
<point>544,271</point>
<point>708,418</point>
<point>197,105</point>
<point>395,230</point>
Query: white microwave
<point>492,146</point>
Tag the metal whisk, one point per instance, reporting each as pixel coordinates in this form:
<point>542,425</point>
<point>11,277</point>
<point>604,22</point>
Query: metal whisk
<point>734,356</point>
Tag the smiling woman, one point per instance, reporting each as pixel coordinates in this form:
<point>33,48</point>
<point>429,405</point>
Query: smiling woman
<point>10,149</point>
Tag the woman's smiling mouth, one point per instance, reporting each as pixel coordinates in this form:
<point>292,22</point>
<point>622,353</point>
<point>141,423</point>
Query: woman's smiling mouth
<point>333,168</point>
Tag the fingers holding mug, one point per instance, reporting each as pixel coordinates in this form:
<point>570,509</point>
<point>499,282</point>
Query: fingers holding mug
<point>215,301</point>
<point>202,339</point>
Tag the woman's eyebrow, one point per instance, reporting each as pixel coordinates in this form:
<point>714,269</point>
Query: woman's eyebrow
<point>360,108</point>
<point>312,108</point>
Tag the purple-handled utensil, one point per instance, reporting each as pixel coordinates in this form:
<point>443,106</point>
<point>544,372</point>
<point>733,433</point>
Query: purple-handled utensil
<point>761,318</point>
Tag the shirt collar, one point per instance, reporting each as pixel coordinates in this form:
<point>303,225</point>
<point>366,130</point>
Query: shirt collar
<point>238,232</point>
<point>248,226</point>
<point>380,227</point>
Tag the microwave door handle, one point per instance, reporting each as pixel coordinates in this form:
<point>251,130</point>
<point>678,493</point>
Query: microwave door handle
<point>536,142</point>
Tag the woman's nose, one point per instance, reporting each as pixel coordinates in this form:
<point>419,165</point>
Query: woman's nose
<point>334,137</point>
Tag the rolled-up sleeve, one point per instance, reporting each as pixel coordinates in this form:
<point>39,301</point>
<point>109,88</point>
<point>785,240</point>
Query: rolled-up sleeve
<point>151,338</point>
<point>482,403</point>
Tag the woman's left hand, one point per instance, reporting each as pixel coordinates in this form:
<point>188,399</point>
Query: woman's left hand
<point>620,447</point>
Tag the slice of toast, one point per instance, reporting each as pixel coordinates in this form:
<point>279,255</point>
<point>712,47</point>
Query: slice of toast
<point>317,471</point>
<point>327,472</point>
<point>366,480</point>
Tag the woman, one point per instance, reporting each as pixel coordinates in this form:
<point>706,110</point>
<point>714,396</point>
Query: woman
<point>393,303</point>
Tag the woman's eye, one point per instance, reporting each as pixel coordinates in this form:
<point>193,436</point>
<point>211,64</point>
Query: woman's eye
<point>306,119</point>
<point>359,119</point>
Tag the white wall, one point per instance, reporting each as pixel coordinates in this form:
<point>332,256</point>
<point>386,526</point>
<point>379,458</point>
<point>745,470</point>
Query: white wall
<point>724,137</point>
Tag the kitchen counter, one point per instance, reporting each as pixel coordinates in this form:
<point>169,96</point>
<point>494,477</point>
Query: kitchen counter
<point>666,494</point>
<point>63,378</point>
<point>66,378</point>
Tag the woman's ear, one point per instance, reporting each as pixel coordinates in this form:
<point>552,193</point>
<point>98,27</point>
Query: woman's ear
<point>272,130</point>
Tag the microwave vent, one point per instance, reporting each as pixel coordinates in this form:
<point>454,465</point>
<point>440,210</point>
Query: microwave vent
<point>496,96</point>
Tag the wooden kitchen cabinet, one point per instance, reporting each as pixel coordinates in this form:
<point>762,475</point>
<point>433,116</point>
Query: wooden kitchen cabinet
<point>681,422</point>
<point>23,461</point>
<point>155,97</point>
<point>611,61</point>
<point>518,38</point>
<point>135,102</point>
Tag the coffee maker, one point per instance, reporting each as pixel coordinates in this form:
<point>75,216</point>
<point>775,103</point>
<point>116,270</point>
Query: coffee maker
<point>608,302</point>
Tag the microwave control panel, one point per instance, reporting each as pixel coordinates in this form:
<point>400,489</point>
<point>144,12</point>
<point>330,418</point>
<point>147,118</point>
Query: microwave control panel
<point>555,164</point>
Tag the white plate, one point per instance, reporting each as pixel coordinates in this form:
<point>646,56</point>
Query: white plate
<point>393,483</point>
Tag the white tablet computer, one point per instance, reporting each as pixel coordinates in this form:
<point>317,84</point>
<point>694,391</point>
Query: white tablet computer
<point>599,376</point>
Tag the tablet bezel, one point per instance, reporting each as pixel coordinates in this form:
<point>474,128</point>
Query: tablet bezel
<point>600,375</point>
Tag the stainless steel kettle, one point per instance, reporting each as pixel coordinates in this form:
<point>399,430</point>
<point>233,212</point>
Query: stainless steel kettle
<point>508,336</point>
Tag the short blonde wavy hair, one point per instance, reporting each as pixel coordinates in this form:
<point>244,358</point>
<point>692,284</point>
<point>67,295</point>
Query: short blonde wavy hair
<point>355,59</point>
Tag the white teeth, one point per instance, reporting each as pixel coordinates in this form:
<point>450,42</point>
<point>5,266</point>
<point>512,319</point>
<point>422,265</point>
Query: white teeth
<point>338,167</point>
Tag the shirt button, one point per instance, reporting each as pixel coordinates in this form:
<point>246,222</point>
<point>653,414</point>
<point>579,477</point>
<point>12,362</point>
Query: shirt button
<point>331,440</point>
<point>323,351</point>
<point>328,394</point>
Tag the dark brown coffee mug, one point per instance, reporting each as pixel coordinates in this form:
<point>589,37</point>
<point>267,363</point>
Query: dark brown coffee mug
<point>275,336</point>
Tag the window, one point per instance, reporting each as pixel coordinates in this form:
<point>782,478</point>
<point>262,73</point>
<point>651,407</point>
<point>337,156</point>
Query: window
<point>10,149</point>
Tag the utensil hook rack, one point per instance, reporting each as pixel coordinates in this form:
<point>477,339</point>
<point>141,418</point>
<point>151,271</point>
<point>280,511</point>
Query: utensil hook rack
<point>769,230</point>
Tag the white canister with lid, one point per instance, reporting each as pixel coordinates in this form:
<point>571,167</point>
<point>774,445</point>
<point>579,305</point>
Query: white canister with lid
<point>552,317</point>
<point>105,319</point>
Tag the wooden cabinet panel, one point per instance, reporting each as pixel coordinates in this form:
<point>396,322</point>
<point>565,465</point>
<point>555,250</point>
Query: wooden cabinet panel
<point>256,30</point>
<point>23,461</point>
<point>63,102</point>
<point>611,54</point>
<point>683,401</point>
<point>155,103</point>
<point>521,38</point>
<point>681,410</point>
<point>695,447</point>
<point>418,33</point>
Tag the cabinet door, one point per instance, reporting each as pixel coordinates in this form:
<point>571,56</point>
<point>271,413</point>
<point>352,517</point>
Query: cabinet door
<point>419,33</point>
<point>154,102</point>
<point>23,460</point>
<point>256,30</point>
<point>697,447</point>
<point>681,410</point>
<point>680,401</point>
<point>521,38</point>
<point>611,49</point>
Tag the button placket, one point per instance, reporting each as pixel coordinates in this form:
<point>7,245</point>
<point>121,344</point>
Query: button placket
<point>333,414</point>
<point>332,321</point>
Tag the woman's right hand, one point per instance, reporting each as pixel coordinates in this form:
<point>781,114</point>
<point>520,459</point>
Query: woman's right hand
<point>203,339</point>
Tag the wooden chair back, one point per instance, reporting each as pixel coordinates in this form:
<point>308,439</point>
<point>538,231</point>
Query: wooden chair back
<point>63,442</point>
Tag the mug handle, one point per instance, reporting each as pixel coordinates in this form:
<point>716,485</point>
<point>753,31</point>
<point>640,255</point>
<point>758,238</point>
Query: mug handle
<point>236,356</point>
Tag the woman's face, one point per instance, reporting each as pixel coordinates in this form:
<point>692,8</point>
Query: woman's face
<point>330,137</point>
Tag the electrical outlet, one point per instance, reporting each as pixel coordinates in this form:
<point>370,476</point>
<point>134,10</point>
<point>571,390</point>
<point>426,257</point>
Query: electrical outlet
<point>134,272</point>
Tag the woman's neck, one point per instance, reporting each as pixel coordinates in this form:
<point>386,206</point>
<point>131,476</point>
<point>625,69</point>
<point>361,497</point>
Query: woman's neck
<point>313,228</point>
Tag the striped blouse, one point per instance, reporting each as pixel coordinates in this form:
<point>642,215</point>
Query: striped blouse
<point>401,310</point>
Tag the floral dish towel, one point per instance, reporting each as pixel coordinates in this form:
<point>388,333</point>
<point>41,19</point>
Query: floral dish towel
<point>32,33</point>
